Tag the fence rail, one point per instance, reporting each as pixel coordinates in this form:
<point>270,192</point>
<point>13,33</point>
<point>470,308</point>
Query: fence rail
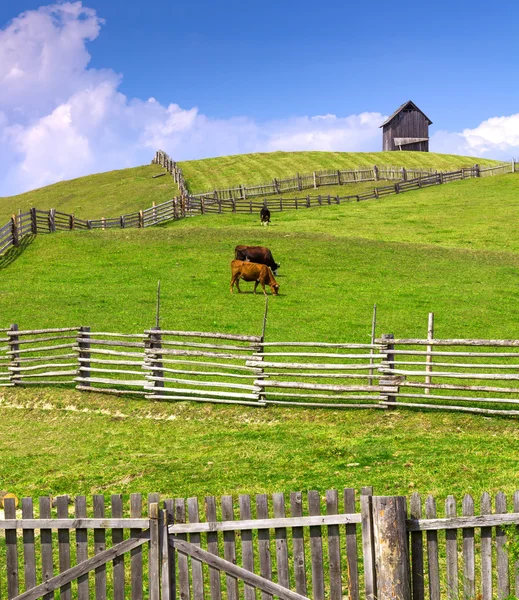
<point>468,375</point>
<point>294,546</point>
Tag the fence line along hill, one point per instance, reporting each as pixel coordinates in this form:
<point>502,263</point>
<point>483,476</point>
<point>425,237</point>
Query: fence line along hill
<point>239,200</point>
<point>464,375</point>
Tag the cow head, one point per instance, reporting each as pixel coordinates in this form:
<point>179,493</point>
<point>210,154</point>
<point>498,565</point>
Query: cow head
<point>275,289</point>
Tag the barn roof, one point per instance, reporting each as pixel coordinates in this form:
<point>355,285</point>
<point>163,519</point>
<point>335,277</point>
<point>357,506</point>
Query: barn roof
<point>401,108</point>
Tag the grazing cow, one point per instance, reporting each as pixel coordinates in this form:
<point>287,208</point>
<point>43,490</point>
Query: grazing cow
<point>249,271</point>
<point>256,254</point>
<point>265,216</point>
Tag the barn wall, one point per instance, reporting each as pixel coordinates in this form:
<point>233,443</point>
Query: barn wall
<point>406,124</point>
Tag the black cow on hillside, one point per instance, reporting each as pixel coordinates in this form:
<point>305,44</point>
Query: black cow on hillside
<point>265,216</point>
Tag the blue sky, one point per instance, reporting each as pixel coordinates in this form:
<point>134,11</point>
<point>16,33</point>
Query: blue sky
<point>230,77</point>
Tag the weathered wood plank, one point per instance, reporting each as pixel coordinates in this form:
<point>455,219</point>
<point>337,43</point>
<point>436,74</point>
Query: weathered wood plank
<point>264,542</point>
<point>229,547</point>
<point>280,534</point>
<point>11,551</point>
<point>469,570</point>
<point>368,549</point>
<point>247,546</point>
<point>99,547</point>
<point>47,568</point>
<point>136,554</point>
<point>154,548</point>
<point>417,565</point>
<point>117,538</point>
<point>503,581</point>
<point>196,566</point>
<point>451,546</point>
<point>486,550</point>
<point>351,546</point>
<point>516,566</point>
<point>316,547</point>
<point>334,547</point>
<point>212,546</point>
<point>298,543</point>
<point>182,561</point>
<point>29,551</point>
<point>64,546</point>
<point>432,552</point>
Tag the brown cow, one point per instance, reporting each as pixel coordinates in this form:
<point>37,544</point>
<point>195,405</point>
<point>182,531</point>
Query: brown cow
<point>249,271</point>
<point>256,254</point>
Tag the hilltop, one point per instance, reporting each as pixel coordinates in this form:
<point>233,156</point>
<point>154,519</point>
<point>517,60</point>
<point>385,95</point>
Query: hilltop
<point>225,171</point>
<point>128,190</point>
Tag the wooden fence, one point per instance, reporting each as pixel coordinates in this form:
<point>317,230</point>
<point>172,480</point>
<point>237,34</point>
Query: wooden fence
<point>37,221</point>
<point>317,179</point>
<point>467,375</point>
<point>292,546</point>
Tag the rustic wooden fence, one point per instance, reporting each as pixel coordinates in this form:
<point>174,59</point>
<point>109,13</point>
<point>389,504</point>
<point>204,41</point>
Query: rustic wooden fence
<point>318,179</point>
<point>291,546</point>
<point>467,375</point>
<point>37,221</point>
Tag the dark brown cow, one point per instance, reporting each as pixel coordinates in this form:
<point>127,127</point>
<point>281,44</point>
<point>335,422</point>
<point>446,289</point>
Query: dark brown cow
<point>249,271</point>
<point>256,254</point>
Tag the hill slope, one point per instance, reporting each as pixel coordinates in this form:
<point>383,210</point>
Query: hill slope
<point>225,171</point>
<point>102,195</point>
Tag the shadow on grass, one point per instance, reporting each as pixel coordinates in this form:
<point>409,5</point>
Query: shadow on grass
<point>16,251</point>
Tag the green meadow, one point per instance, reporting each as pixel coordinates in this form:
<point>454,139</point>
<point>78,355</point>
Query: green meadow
<point>451,249</point>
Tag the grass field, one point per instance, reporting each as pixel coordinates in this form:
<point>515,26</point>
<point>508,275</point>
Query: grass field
<point>103,195</point>
<point>451,249</point>
<point>225,171</point>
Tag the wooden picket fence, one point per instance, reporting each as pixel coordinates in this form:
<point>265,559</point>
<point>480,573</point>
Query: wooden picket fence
<point>465,375</point>
<point>292,546</point>
<point>235,200</point>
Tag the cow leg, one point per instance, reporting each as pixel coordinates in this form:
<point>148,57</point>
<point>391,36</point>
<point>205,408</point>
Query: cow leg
<point>232,283</point>
<point>238,284</point>
<point>255,285</point>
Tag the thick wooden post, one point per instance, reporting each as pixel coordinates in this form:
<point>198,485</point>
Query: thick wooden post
<point>52,220</point>
<point>404,174</point>
<point>14,231</point>
<point>14,347</point>
<point>477,171</point>
<point>155,341</point>
<point>84,353</point>
<point>71,221</point>
<point>34,224</point>
<point>391,548</point>
<point>375,173</point>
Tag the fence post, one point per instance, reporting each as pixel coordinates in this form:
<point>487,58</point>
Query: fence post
<point>84,353</point>
<point>368,549</point>
<point>308,201</point>
<point>154,552</point>
<point>339,177</point>
<point>34,224</point>
<point>141,219</point>
<point>375,173</point>
<point>13,362</point>
<point>315,181</point>
<point>121,221</point>
<point>14,231</point>
<point>71,221</point>
<point>477,171</point>
<point>397,188</point>
<point>167,554</point>
<point>155,341</point>
<point>388,379</point>
<point>429,358</point>
<point>404,174</point>
<point>52,220</point>
<point>391,548</point>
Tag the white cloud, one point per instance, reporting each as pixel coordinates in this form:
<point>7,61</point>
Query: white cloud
<point>61,119</point>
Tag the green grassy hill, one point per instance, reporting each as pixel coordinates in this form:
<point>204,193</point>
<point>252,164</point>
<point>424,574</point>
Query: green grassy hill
<point>226,171</point>
<point>102,195</point>
<point>451,249</point>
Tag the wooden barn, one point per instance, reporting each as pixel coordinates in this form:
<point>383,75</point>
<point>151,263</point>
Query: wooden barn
<point>406,129</point>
